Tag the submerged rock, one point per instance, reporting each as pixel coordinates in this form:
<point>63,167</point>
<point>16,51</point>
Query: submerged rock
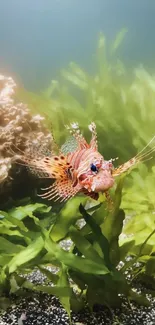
<point>19,131</point>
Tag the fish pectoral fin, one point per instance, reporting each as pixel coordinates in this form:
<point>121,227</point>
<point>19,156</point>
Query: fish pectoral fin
<point>124,167</point>
<point>61,190</point>
<point>144,155</point>
<point>56,166</point>
<point>93,195</point>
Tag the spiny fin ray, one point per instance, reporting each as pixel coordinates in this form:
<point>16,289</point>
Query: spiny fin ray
<point>142,156</point>
<point>63,190</point>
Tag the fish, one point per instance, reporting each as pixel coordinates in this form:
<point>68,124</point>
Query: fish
<point>78,167</point>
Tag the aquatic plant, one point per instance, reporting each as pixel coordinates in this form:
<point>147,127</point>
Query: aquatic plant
<point>118,100</point>
<point>121,103</point>
<point>139,203</point>
<point>32,235</point>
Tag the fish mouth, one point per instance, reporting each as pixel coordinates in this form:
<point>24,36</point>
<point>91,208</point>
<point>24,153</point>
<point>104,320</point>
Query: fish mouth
<point>101,184</point>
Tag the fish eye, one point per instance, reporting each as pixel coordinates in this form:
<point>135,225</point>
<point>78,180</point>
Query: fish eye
<point>93,168</point>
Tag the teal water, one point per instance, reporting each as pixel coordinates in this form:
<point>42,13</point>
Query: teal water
<point>40,37</point>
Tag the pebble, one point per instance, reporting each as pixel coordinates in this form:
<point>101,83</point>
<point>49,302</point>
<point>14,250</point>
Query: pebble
<point>43,309</point>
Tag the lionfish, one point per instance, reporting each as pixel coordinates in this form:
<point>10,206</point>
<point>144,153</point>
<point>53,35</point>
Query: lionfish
<point>81,168</point>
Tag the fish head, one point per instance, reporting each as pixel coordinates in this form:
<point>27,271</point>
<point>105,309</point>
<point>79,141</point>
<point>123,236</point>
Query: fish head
<point>95,173</point>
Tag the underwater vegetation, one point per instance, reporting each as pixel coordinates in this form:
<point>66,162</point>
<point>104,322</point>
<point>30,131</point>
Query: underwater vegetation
<point>120,102</point>
<point>93,270</point>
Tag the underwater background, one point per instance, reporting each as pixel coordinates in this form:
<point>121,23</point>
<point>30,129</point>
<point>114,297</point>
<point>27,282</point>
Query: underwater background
<point>61,62</point>
<point>38,38</point>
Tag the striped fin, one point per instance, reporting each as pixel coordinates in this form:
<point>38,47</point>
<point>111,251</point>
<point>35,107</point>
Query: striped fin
<point>93,142</point>
<point>75,132</point>
<point>144,155</point>
<point>56,166</point>
<point>82,143</point>
<point>61,190</point>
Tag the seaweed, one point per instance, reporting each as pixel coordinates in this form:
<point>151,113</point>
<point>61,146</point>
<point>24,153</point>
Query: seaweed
<point>108,244</point>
